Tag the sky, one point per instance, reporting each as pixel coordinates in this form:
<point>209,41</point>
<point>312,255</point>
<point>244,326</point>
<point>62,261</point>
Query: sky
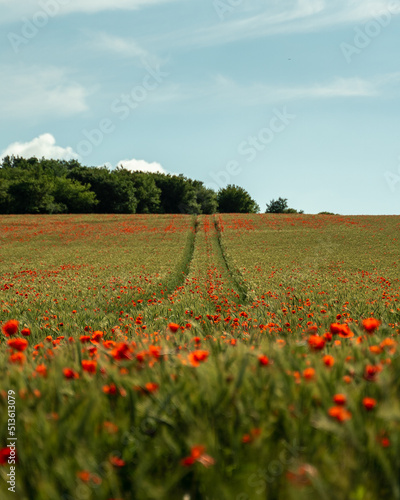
<point>298,99</point>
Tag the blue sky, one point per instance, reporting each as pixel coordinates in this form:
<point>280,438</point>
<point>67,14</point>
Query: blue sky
<point>298,99</point>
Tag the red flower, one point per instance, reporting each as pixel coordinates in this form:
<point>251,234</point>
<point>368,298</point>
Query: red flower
<point>196,357</point>
<point>309,373</point>
<point>342,330</point>
<point>5,454</point>
<point>173,327</point>
<point>369,403</point>
<point>197,455</point>
<point>151,387</point>
<point>328,360</point>
<point>18,344</point>
<point>116,461</point>
<point>339,399</point>
<point>25,332</point>
<point>316,342</point>
<point>41,370</point>
<point>263,360</point>
<point>371,372</point>
<point>10,327</point>
<point>18,357</point>
<point>122,351</point>
<point>370,324</point>
<point>69,373</point>
<point>89,366</point>
<point>339,413</point>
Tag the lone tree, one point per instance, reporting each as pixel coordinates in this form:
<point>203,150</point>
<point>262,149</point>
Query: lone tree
<point>280,206</point>
<point>235,199</point>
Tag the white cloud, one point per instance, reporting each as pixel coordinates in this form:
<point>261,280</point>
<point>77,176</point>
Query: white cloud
<point>34,92</point>
<point>42,146</point>
<point>141,165</point>
<point>125,47</point>
<point>15,10</point>
<point>224,91</point>
<point>261,19</point>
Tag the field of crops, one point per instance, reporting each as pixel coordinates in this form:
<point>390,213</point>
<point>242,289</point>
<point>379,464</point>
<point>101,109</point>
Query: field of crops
<point>166,357</point>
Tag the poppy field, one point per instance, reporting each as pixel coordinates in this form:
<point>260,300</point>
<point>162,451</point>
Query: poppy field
<point>224,356</point>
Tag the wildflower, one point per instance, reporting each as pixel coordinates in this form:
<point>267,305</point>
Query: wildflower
<point>339,399</point>
<point>371,372</point>
<point>369,403</point>
<point>41,370</point>
<point>328,360</point>
<point>197,455</point>
<point>110,427</point>
<point>122,351</point>
<point>309,373</point>
<point>263,360</point>
<point>370,325</point>
<point>5,454</point>
<point>151,387</point>
<point>301,476</point>
<point>69,373</point>
<point>18,344</point>
<point>173,327</point>
<point>339,413</point>
<point>25,332</point>
<point>89,366</point>
<point>10,327</point>
<point>116,461</point>
<point>196,357</point>
<point>18,357</point>
<point>316,342</point>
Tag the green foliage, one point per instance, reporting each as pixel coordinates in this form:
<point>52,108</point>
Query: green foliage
<point>280,206</point>
<point>235,199</point>
<point>58,186</point>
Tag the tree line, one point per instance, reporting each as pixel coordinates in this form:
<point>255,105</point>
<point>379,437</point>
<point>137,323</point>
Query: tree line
<point>43,186</point>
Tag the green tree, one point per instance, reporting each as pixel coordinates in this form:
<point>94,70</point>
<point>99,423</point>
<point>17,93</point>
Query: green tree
<point>278,206</point>
<point>114,190</point>
<point>73,196</point>
<point>206,198</point>
<point>235,199</point>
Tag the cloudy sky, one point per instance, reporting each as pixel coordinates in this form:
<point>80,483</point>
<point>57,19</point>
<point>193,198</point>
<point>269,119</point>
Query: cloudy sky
<point>291,98</point>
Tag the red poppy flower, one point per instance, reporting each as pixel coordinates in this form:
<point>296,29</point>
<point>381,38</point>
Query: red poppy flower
<point>18,344</point>
<point>173,327</point>
<point>10,327</point>
<point>5,454</point>
<point>18,357</point>
<point>339,399</point>
<point>69,373</point>
<point>196,357</point>
<point>89,366</point>
<point>339,413</point>
<point>309,373</point>
<point>370,325</point>
<point>328,360</point>
<point>316,342</point>
<point>263,360</point>
<point>369,403</point>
